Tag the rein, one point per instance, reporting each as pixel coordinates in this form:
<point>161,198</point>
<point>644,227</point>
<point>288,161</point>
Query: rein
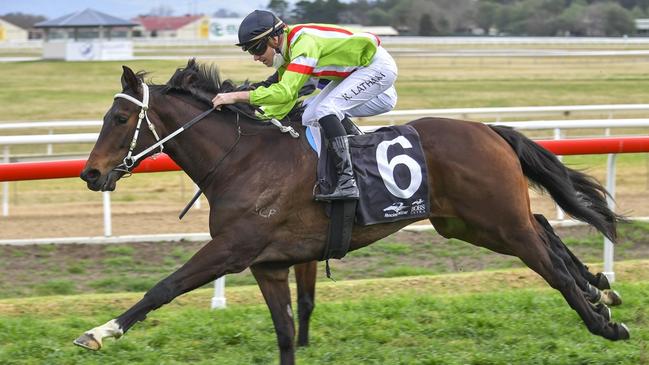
<point>130,160</point>
<point>210,173</point>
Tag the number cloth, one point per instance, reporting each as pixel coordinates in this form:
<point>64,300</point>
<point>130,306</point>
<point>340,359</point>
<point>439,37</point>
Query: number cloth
<point>391,174</point>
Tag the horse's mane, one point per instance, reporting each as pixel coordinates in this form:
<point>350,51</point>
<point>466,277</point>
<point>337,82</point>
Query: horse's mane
<point>203,82</point>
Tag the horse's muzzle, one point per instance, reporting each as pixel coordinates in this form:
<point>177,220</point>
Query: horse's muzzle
<point>97,181</point>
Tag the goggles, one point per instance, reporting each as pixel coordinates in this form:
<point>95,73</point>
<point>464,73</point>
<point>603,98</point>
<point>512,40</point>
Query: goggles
<point>258,48</point>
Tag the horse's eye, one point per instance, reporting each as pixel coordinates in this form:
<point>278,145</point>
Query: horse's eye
<point>122,119</point>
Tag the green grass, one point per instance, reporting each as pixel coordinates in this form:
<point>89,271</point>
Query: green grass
<point>458,319</point>
<point>80,90</point>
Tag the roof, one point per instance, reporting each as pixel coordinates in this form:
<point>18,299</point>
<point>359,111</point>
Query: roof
<point>10,24</point>
<point>152,23</point>
<point>85,18</point>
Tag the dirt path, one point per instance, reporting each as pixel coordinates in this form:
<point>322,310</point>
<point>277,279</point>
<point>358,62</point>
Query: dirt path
<point>86,219</point>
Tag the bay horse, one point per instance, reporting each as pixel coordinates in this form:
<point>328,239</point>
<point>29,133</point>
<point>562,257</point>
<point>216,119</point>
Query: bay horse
<point>259,185</point>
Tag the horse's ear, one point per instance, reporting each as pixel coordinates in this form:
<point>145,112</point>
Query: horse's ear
<point>191,63</point>
<point>188,80</point>
<point>129,80</point>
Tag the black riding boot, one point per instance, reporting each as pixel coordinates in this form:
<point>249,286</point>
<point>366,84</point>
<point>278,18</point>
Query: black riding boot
<point>346,185</point>
<point>350,127</point>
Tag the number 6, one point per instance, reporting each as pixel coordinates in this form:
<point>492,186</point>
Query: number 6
<point>386,168</point>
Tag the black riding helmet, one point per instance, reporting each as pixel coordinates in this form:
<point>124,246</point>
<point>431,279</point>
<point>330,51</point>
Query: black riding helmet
<point>256,28</point>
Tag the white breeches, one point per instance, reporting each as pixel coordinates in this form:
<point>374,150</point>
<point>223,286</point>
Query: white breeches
<point>367,91</point>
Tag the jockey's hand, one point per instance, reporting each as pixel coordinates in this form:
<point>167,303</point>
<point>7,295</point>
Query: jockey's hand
<point>230,98</point>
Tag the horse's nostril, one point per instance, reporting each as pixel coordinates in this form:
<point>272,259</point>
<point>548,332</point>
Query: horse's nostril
<point>91,175</point>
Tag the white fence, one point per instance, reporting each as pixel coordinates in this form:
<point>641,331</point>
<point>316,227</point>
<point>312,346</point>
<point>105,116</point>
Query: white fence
<point>497,113</point>
<point>219,298</point>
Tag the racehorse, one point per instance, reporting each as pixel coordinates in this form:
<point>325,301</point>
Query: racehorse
<point>259,184</point>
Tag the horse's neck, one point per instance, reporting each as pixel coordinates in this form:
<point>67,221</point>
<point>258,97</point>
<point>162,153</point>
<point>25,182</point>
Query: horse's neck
<point>212,145</point>
<point>197,149</point>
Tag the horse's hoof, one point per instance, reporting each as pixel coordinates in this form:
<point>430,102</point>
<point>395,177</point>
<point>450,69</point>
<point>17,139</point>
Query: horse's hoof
<point>623,332</point>
<point>611,298</point>
<point>602,281</point>
<point>88,341</point>
<point>603,311</point>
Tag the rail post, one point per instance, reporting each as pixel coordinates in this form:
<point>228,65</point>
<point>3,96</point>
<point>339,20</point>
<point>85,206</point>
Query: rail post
<point>557,135</point>
<point>49,145</point>
<point>108,226</point>
<point>610,200</point>
<point>5,187</point>
<point>218,300</point>
<point>197,203</point>
<point>608,245</point>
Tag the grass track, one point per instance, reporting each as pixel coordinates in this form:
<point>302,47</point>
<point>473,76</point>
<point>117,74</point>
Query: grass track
<point>499,317</point>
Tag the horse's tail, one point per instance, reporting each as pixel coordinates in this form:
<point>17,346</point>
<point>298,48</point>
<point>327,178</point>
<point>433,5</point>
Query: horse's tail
<point>578,194</point>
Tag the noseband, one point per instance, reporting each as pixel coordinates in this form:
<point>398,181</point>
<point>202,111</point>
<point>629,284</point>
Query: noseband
<point>129,161</point>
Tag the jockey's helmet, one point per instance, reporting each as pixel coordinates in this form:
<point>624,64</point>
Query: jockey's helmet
<point>256,28</point>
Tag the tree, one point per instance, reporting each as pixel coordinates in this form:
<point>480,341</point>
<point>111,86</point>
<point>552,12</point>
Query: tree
<point>225,13</point>
<point>485,17</point>
<point>378,16</point>
<point>279,8</point>
<point>318,11</point>
<point>426,27</point>
<point>618,21</point>
<point>161,10</point>
<point>608,19</point>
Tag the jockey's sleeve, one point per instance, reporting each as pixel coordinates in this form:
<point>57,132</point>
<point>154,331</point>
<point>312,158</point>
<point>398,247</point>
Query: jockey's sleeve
<point>304,58</point>
<point>269,81</point>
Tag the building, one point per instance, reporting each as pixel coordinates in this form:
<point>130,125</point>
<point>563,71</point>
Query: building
<point>87,35</point>
<point>381,30</point>
<point>12,33</point>
<point>178,27</point>
<point>642,27</point>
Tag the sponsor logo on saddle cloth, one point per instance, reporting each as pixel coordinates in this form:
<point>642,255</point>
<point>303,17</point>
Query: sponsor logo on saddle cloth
<point>391,175</point>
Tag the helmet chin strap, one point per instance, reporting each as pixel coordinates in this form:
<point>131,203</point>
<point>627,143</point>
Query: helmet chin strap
<point>278,57</point>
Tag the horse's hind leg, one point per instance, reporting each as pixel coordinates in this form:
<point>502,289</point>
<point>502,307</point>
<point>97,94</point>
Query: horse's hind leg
<point>536,252</point>
<point>590,284</point>
<point>273,283</point>
<point>305,277</point>
<point>599,280</point>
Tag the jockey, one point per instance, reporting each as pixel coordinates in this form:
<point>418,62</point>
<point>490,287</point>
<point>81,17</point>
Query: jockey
<point>361,75</point>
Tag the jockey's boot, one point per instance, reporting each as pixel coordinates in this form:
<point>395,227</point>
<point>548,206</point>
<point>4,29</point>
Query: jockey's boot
<point>346,188</point>
<point>350,127</point>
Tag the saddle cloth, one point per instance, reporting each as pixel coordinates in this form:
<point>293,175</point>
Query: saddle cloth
<point>390,171</point>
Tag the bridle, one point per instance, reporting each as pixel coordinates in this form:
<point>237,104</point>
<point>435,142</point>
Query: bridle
<point>130,160</point>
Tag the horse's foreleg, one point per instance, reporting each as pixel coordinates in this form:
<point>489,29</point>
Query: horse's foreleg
<point>273,283</point>
<point>305,277</point>
<point>209,263</point>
